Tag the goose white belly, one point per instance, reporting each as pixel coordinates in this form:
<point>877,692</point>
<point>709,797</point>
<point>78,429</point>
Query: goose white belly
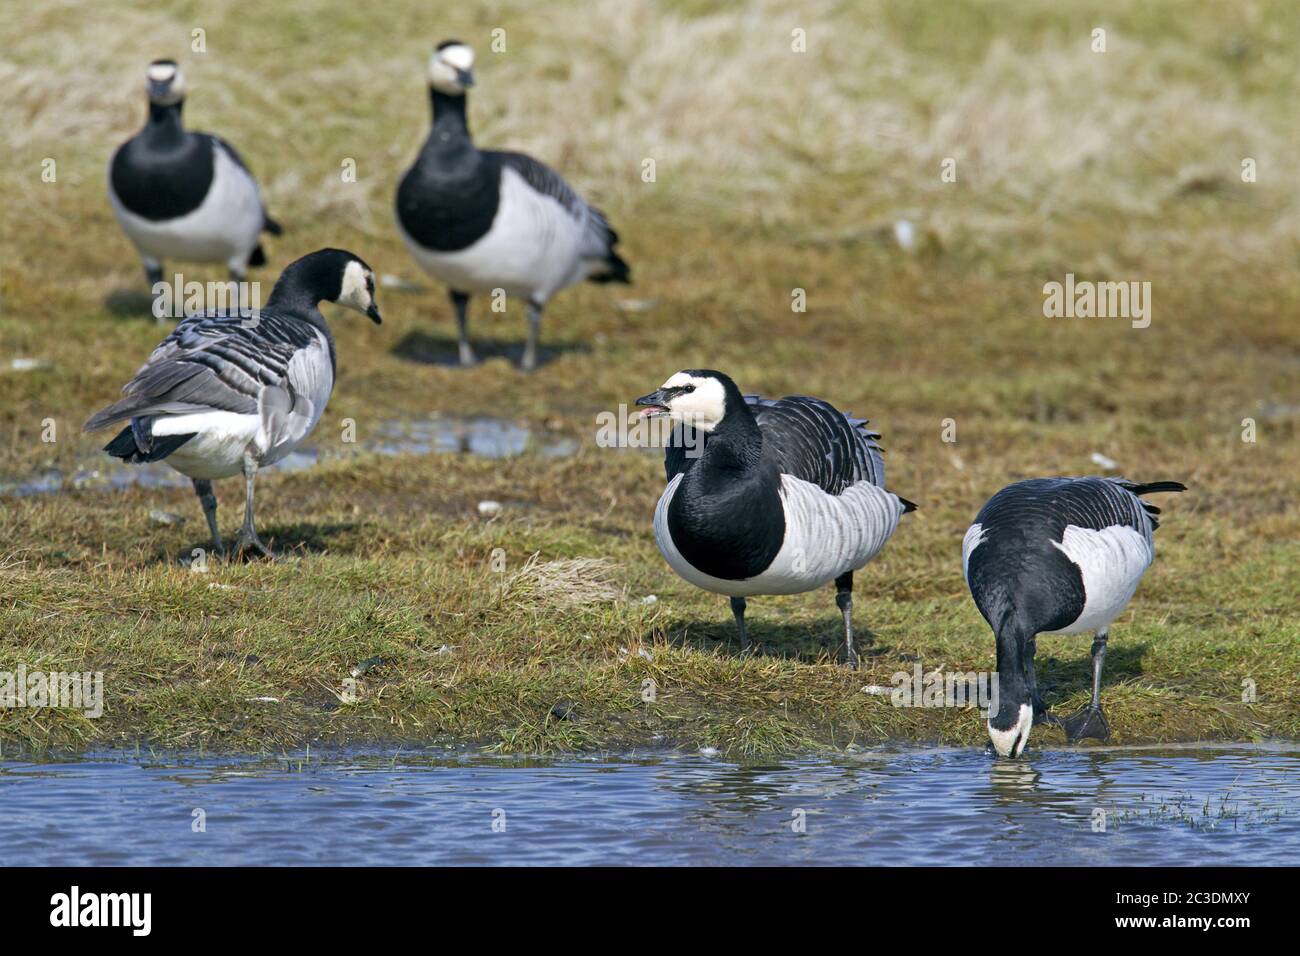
<point>825,536</point>
<point>531,250</point>
<point>217,448</point>
<point>1112,562</point>
<point>224,228</point>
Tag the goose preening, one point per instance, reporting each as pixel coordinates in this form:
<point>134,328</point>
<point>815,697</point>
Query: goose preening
<point>1055,556</point>
<point>768,497</point>
<point>184,195</point>
<point>482,220</point>
<point>234,391</point>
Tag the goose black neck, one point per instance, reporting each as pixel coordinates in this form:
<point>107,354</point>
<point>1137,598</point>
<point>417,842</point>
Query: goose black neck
<point>732,449</point>
<point>164,124</point>
<point>449,113</point>
<point>1013,655</point>
<point>303,285</point>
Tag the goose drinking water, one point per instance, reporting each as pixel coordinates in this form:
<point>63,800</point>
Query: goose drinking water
<point>1056,556</point>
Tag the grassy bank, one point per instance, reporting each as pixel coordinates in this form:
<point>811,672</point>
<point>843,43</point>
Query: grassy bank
<point>775,171</point>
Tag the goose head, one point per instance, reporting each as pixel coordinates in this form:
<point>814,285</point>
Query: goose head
<point>451,69</point>
<point>329,275</point>
<point>165,83</point>
<point>1009,727</point>
<point>700,398</point>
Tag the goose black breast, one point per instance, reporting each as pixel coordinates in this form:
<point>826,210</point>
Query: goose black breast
<point>449,208</point>
<point>736,530</point>
<point>160,182</point>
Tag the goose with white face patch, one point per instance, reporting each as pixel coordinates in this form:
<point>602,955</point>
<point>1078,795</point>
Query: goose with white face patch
<point>1055,556</point>
<point>231,392</point>
<point>184,195</point>
<point>768,497</point>
<point>482,221</point>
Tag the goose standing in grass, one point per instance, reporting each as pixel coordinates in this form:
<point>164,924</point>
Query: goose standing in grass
<point>768,497</point>
<point>482,220</point>
<point>185,195</point>
<point>1055,556</point>
<point>229,392</point>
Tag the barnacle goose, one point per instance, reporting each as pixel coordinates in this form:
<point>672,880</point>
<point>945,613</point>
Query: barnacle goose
<point>481,220</point>
<point>1055,556</point>
<point>234,391</point>
<point>185,195</point>
<point>768,497</point>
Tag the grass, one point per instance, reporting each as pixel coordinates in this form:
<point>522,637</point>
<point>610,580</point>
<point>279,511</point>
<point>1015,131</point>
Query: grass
<point>774,171</point>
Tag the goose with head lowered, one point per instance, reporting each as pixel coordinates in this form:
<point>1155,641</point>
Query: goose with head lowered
<point>1056,556</point>
<point>483,220</point>
<point>183,195</point>
<point>232,391</point>
<point>768,497</point>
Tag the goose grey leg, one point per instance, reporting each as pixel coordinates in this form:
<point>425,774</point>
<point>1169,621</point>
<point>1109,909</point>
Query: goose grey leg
<point>153,275</point>
<point>1089,721</point>
<point>247,537</point>
<point>738,609</point>
<point>152,272</point>
<point>460,302</point>
<point>534,325</point>
<point>203,488</point>
<point>844,601</point>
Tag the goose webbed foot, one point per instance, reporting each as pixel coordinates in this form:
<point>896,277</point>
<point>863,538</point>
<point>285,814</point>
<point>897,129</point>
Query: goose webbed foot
<point>247,541</point>
<point>466,356</point>
<point>1087,722</point>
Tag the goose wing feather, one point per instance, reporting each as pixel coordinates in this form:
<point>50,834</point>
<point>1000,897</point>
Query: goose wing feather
<point>808,439</point>
<point>214,361</point>
<point>813,440</point>
<point>599,236</point>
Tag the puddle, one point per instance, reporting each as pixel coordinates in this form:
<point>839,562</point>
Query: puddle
<point>482,436</point>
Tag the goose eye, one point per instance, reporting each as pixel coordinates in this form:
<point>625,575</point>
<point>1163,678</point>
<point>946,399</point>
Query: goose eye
<point>688,388</point>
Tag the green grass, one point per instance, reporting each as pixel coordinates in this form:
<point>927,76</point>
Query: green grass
<point>774,173</point>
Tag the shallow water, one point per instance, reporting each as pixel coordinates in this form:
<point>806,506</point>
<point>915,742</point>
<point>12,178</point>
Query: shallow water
<point>483,436</point>
<point>1231,805</point>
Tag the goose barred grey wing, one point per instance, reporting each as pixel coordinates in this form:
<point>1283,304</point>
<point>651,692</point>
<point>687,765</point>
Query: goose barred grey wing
<point>1091,502</point>
<point>598,234</point>
<point>808,438</point>
<point>812,440</point>
<point>1137,489</point>
<point>269,224</point>
<point>215,361</point>
<point>545,180</point>
<point>233,153</point>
